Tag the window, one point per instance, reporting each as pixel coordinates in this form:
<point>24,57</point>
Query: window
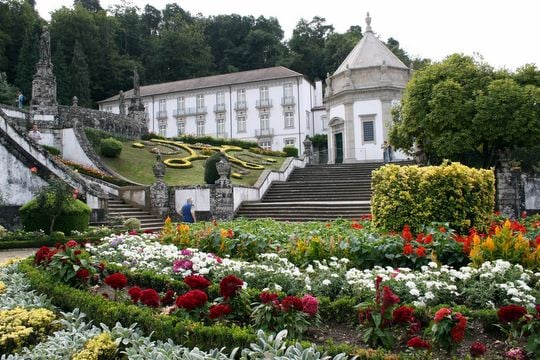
<point>368,131</point>
<point>220,127</point>
<point>200,101</point>
<point>108,108</point>
<point>241,123</point>
<point>265,144</point>
<point>264,93</point>
<point>265,122</point>
<point>241,95</point>
<point>162,105</point>
<point>290,142</point>
<point>324,122</point>
<point>288,90</point>
<point>181,103</point>
<point>289,119</point>
<point>162,128</point>
<point>220,98</point>
<point>181,125</point>
<point>200,127</point>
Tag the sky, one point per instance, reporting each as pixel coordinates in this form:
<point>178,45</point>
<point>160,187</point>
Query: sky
<point>503,33</point>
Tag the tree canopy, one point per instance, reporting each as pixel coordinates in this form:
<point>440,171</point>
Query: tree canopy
<point>463,110</point>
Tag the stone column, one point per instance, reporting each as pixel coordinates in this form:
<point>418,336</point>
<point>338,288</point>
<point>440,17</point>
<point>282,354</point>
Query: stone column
<point>386,115</point>
<point>159,191</point>
<point>348,134</point>
<point>509,189</point>
<point>221,194</point>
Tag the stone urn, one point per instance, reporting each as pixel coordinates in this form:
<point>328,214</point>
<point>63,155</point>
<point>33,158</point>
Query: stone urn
<point>223,168</point>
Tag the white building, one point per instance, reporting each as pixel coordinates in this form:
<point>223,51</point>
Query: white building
<point>359,98</point>
<point>276,107</point>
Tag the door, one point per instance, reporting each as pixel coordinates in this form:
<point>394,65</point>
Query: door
<point>338,141</point>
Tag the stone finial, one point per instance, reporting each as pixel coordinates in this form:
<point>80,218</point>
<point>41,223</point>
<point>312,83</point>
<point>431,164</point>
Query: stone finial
<point>75,101</point>
<point>368,23</point>
<point>45,46</point>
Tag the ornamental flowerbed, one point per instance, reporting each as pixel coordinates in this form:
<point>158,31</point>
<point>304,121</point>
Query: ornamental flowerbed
<point>216,281</point>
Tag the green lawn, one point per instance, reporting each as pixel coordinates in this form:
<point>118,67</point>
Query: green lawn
<point>136,165</point>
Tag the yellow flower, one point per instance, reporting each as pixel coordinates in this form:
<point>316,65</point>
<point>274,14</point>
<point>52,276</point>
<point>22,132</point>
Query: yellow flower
<point>489,244</point>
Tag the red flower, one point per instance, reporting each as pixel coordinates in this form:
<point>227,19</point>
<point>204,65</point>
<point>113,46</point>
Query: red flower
<point>417,343</point>
<point>428,239</point>
<point>310,305</point>
<point>511,313</point>
<point>117,281</point>
<point>230,233</point>
<point>420,251</point>
<point>168,298</point>
<point>523,214</point>
<point>135,293</point>
<point>83,274</point>
<point>441,314</point>
<point>218,311</point>
<point>442,229</point>
<point>389,298</point>
<point>457,334</point>
<point>356,226</point>
<point>150,297</point>
<point>72,244</point>
<point>292,303</point>
<point>406,233</point>
<point>477,349</point>
<point>43,255</point>
<point>267,297</point>
<point>33,169</point>
<point>229,286</point>
<point>192,300</point>
<point>197,282</point>
<point>133,232</point>
<point>402,314</point>
<point>76,194</point>
<point>407,249</point>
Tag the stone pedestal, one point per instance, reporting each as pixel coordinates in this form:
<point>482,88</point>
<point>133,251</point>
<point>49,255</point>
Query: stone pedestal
<point>159,191</point>
<point>222,202</point>
<point>509,190</point>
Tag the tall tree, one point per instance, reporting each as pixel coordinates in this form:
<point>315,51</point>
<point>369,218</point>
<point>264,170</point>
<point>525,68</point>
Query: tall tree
<point>61,71</point>
<point>338,46</point>
<point>28,58</point>
<point>463,110</point>
<point>90,5</point>
<point>151,18</point>
<point>80,77</point>
<point>307,47</point>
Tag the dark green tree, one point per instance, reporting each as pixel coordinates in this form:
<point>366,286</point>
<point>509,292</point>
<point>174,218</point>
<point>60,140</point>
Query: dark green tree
<point>28,58</point>
<point>8,93</point>
<point>307,46</point>
<point>90,5</point>
<point>54,197</point>
<point>463,110</point>
<point>61,71</point>
<point>151,19</point>
<point>80,78</point>
<point>393,45</point>
<point>338,46</point>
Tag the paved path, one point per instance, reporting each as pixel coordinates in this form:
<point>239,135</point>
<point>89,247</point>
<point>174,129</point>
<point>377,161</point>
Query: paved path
<point>16,253</point>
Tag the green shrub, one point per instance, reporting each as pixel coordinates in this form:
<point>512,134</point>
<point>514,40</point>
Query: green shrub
<point>110,147</point>
<point>450,193</point>
<point>290,151</point>
<point>52,150</point>
<point>132,224</point>
<point>95,136</point>
<point>210,171</point>
<point>74,216</point>
<point>215,141</point>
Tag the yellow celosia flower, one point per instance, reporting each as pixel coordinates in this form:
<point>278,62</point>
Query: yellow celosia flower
<point>489,244</point>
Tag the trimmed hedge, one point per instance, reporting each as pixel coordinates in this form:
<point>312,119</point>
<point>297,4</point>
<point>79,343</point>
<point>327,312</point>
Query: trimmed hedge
<point>450,193</point>
<point>52,150</point>
<point>95,136</point>
<point>210,172</point>
<point>76,216</point>
<point>290,151</point>
<point>110,147</point>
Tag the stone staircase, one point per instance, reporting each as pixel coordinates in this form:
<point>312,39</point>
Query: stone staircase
<point>317,192</point>
<point>117,208</point>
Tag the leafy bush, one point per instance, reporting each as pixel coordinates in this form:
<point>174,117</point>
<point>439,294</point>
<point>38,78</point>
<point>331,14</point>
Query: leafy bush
<point>54,208</point>
<point>319,141</point>
<point>132,224</point>
<point>95,136</point>
<point>52,150</point>
<point>290,151</point>
<point>210,171</point>
<point>461,196</point>
<point>110,147</point>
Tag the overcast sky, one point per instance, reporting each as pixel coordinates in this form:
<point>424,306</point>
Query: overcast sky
<point>505,33</point>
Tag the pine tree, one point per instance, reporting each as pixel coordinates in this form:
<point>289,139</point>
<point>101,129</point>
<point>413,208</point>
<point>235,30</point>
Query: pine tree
<point>80,78</point>
<point>28,57</point>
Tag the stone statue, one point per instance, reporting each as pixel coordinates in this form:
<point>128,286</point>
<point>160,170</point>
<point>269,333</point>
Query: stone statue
<point>384,69</point>
<point>45,46</point>
<point>328,91</point>
<point>348,80</point>
<point>122,104</point>
<point>136,86</point>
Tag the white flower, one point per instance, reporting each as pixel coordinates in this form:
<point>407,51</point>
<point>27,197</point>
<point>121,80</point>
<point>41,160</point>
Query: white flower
<point>414,292</point>
<point>326,282</point>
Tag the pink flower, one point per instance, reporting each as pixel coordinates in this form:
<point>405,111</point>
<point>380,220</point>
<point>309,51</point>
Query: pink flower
<point>310,305</point>
<point>182,264</point>
<point>441,314</point>
<point>477,349</point>
<point>72,244</point>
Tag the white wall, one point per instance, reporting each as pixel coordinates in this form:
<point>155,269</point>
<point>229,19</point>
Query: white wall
<point>368,151</point>
<point>72,150</point>
<point>200,196</point>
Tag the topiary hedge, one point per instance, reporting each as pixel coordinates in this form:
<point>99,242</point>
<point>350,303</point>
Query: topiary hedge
<point>290,151</point>
<point>451,193</point>
<point>75,216</point>
<point>110,147</point>
<point>210,171</point>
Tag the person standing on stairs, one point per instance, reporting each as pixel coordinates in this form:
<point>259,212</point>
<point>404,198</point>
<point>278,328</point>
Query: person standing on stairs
<point>188,211</point>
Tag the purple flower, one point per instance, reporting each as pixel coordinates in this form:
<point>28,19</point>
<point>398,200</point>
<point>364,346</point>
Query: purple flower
<point>182,264</point>
<point>186,252</point>
<point>117,240</point>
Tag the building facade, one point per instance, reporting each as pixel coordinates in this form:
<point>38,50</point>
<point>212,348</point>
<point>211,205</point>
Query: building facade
<point>276,107</point>
<point>359,98</point>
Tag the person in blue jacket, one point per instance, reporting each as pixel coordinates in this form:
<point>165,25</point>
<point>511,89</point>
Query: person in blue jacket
<point>188,211</point>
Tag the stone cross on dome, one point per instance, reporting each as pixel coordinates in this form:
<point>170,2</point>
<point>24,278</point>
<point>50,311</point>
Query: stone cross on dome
<point>368,22</point>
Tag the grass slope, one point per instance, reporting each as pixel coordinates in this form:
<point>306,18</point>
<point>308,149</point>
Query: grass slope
<point>136,165</point>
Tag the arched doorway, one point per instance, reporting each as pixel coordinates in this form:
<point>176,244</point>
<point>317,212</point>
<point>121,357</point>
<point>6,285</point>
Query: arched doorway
<point>335,143</point>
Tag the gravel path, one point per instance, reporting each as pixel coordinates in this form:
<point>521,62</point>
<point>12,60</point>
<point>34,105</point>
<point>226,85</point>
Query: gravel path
<point>16,253</point>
